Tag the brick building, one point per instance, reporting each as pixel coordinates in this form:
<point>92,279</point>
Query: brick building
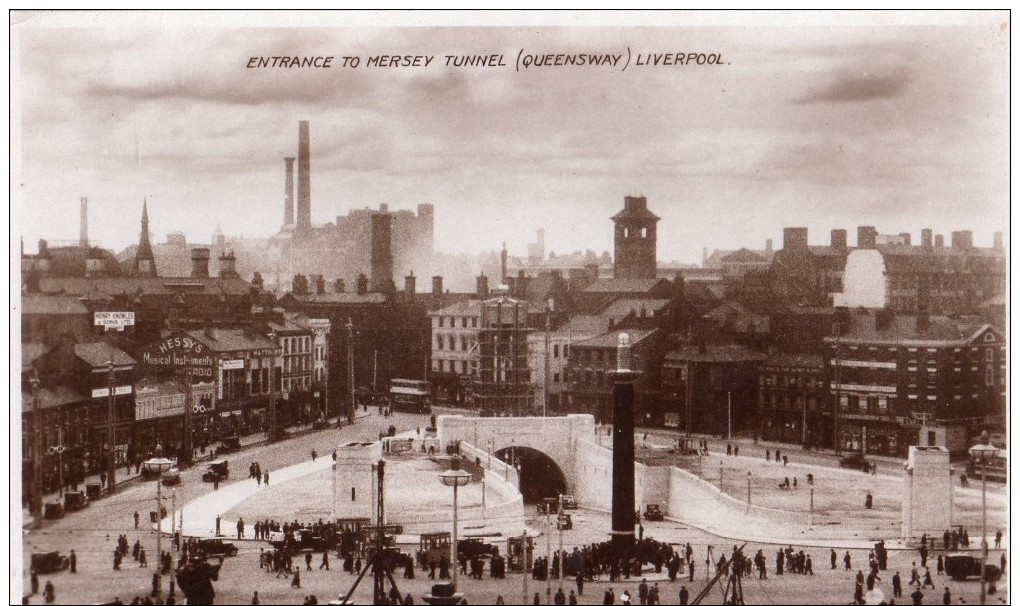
<point>901,380</point>
<point>710,388</point>
<point>793,403</point>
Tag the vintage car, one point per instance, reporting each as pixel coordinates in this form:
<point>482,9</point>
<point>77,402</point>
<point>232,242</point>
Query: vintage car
<point>52,561</point>
<point>961,566</point>
<point>300,540</point>
<point>548,505</point>
<point>855,460</point>
<point>653,512</point>
<point>565,522</point>
<point>171,477</point>
<point>75,500</point>
<point>230,444</point>
<point>568,501</point>
<point>216,471</point>
<point>215,547</point>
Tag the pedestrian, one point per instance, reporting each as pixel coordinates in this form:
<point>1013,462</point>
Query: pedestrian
<point>136,520</point>
<point>265,477</point>
<point>74,562</point>
<point>807,566</point>
<point>580,582</point>
<point>998,543</point>
<point>560,597</point>
<point>625,598</point>
<point>785,460</point>
<point>777,455</point>
<point>255,598</point>
<point>768,455</point>
<point>897,585</point>
<point>940,566</point>
<point>917,596</point>
<point>296,581</point>
<point>538,600</point>
<point>308,561</point>
<point>684,595</point>
<point>258,478</point>
<point>35,582</point>
<point>572,598</point>
<point>947,598</point>
<point>643,592</point>
<point>607,598</point>
<point>736,450</point>
<point>499,599</point>
<point>927,579</point>
<point>314,454</point>
<point>240,528</point>
<point>832,558</point>
<point>48,593</point>
<point>142,562</point>
<point>325,560</point>
<point>846,560</point>
<point>729,449</point>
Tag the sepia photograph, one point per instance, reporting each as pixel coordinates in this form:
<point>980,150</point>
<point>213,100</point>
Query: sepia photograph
<point>411,307</point>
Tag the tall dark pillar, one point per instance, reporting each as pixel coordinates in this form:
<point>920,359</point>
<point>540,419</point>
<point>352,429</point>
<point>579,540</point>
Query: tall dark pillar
<point>623,451</point>
<point>304,177</point>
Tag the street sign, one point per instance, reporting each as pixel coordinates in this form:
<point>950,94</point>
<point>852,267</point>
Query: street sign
<point>232,364</point>
<point>116,320</point>
<point>103,392</point>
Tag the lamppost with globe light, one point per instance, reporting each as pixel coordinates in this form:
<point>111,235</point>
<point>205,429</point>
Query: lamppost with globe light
<point>454,477</point>
<point>158,464</point>
<point>982,452</point>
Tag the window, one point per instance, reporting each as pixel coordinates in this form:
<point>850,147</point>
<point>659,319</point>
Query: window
<point>474,322</point>
<point>556,377</point>
<point>463,322</point>
<point>556,351</point>
<point>883,404</point>
<point>440,321</point>
<point>439,341</point>
<point>463,367</point>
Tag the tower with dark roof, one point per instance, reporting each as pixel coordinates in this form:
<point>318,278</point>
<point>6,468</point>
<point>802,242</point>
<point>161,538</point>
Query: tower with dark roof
<point>635,240</point>
<point>145,261</point>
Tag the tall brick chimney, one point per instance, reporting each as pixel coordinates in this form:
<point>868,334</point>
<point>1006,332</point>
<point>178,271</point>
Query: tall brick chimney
<point>838,239</point>
<point>228,264</point>
<point>437,286</point>
<point>997,240</point>
<point>382,255</point>
<point>482,286</point>
<point>905,236</point>
<point>940,240</point>
<point>304,176</point>
<point>288,191</point>
<point>362,284</point>
<point>410,285</point>
<point>867,236</point>
<point>199,262</point>
<point>963,239</point>
<point>83,236</point>
<point>795,237</point>
<point>926,237</point>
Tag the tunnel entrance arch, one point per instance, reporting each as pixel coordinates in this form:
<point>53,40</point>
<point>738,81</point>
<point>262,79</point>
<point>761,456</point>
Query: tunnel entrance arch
<point>541,477</point>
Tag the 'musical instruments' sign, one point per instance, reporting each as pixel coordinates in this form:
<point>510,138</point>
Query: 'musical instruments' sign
<point>180,351</point>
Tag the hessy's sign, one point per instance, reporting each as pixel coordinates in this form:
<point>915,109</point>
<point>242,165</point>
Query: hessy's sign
<point>180,351</point>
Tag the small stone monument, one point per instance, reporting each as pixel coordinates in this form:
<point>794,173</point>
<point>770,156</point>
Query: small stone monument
<point>927,492</point>
<point>354,479</point>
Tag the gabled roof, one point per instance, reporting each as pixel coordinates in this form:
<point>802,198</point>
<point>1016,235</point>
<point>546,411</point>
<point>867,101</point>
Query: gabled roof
<point>899,329</point>
<point>51,397</point>
<point>52,305</point>
<point>30,352</point>
<point>471,307</point>
<point>341,298</point>
<point>98,354</point>
<point>612,339</point>
<point>232,339</point>
<point>715,353</point>
<point>625,285</point>
<point>622,308</point>
<point>744,256</point>
<point>585,325</point>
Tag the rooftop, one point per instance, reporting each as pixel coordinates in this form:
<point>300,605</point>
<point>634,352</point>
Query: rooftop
<point>52,305</point>
<point>99,354</point>
<point>714,353</point>
<point>612,339</point>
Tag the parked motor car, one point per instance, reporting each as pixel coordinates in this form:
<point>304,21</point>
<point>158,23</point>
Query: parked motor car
<point>653,512</point>
<point>51,561</point>
<point>216,471</point>
<point>53,510</point>
<point>215,547</point>
<point>75,500</point>
<point>230,444</point>
<point>961,566</point>
<point>568,501</point>
<point>548,505</point>
<point>565,522</point>
<point>855,460</point>
<point>171,477</point>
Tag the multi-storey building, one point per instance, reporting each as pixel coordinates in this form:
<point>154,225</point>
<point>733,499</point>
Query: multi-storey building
<point>900,380</point>
<point>589,374</point>
<point>711,388</point>
<point>455,353</point>
<point>793,403</point>
<point>320,328</point>
<point>555,350</point>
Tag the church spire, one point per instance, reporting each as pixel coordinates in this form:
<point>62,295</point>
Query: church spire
<point>145,261</point>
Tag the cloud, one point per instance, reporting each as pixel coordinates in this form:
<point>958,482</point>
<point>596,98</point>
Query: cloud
<point>860,84</point>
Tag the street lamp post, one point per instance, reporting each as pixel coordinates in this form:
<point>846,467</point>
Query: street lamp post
<point>456,478</point>
<point>272,388</point>
<point>37,492</point>
<point>545,371</point>
<point>748,489</point>
<point>158,464</point>
<point>983,452</point>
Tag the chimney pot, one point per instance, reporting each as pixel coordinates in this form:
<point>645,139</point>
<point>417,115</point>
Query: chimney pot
<point>867,236</point>
<point>963,239</point>
<point>997,240</point>
<point>940,241</point>
<point>795,237</point>
<point>838,239</point>
<point>926,237</point>
<point>437,286</point>
<point>482,286</point>
<point>200,263</point>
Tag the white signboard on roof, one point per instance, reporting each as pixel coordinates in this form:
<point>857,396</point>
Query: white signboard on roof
<point>116,320</point>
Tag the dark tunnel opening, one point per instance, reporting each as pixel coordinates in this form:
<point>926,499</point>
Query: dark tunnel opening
<point>541,476</point>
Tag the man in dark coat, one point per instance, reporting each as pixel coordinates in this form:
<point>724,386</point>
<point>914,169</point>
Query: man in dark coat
<point>195,580</point>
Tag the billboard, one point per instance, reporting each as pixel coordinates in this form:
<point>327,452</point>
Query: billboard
<point>115,320</point>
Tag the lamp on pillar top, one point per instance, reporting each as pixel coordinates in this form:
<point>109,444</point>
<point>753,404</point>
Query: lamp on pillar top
<point>157,465</point>
<point>456,478</point>
<point>984,451</point>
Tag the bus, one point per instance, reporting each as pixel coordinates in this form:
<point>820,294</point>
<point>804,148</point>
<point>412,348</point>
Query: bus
<point>409,395</point>
<point>996,468</point>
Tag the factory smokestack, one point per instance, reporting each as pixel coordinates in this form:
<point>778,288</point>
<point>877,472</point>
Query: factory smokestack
<point>382,256</point>
<point>288,196</point>
<point>304,176</point>
<point>83,237</point>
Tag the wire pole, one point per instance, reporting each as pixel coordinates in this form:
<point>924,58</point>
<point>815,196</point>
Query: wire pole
<point>37,496</point>
<point>112,465</point>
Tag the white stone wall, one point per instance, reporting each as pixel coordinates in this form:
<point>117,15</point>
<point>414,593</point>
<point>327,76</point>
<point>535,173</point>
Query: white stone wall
<point>927,492</point>
<point>864,282</point>
<point>353,479</point>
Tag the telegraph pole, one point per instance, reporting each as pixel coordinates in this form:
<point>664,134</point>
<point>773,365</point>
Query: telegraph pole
<point>37,498</point>
<point>545,374</point>
<point>350,369</point>
<point>272,388</point>
<point>112,464</point>
<point>188,419</point>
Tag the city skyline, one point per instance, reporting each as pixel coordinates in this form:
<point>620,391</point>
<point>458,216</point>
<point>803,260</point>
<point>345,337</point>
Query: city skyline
<point>822,127</point>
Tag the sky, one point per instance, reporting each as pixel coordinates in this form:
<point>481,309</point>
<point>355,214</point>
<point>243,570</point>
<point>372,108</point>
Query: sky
<point>829,124</point>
